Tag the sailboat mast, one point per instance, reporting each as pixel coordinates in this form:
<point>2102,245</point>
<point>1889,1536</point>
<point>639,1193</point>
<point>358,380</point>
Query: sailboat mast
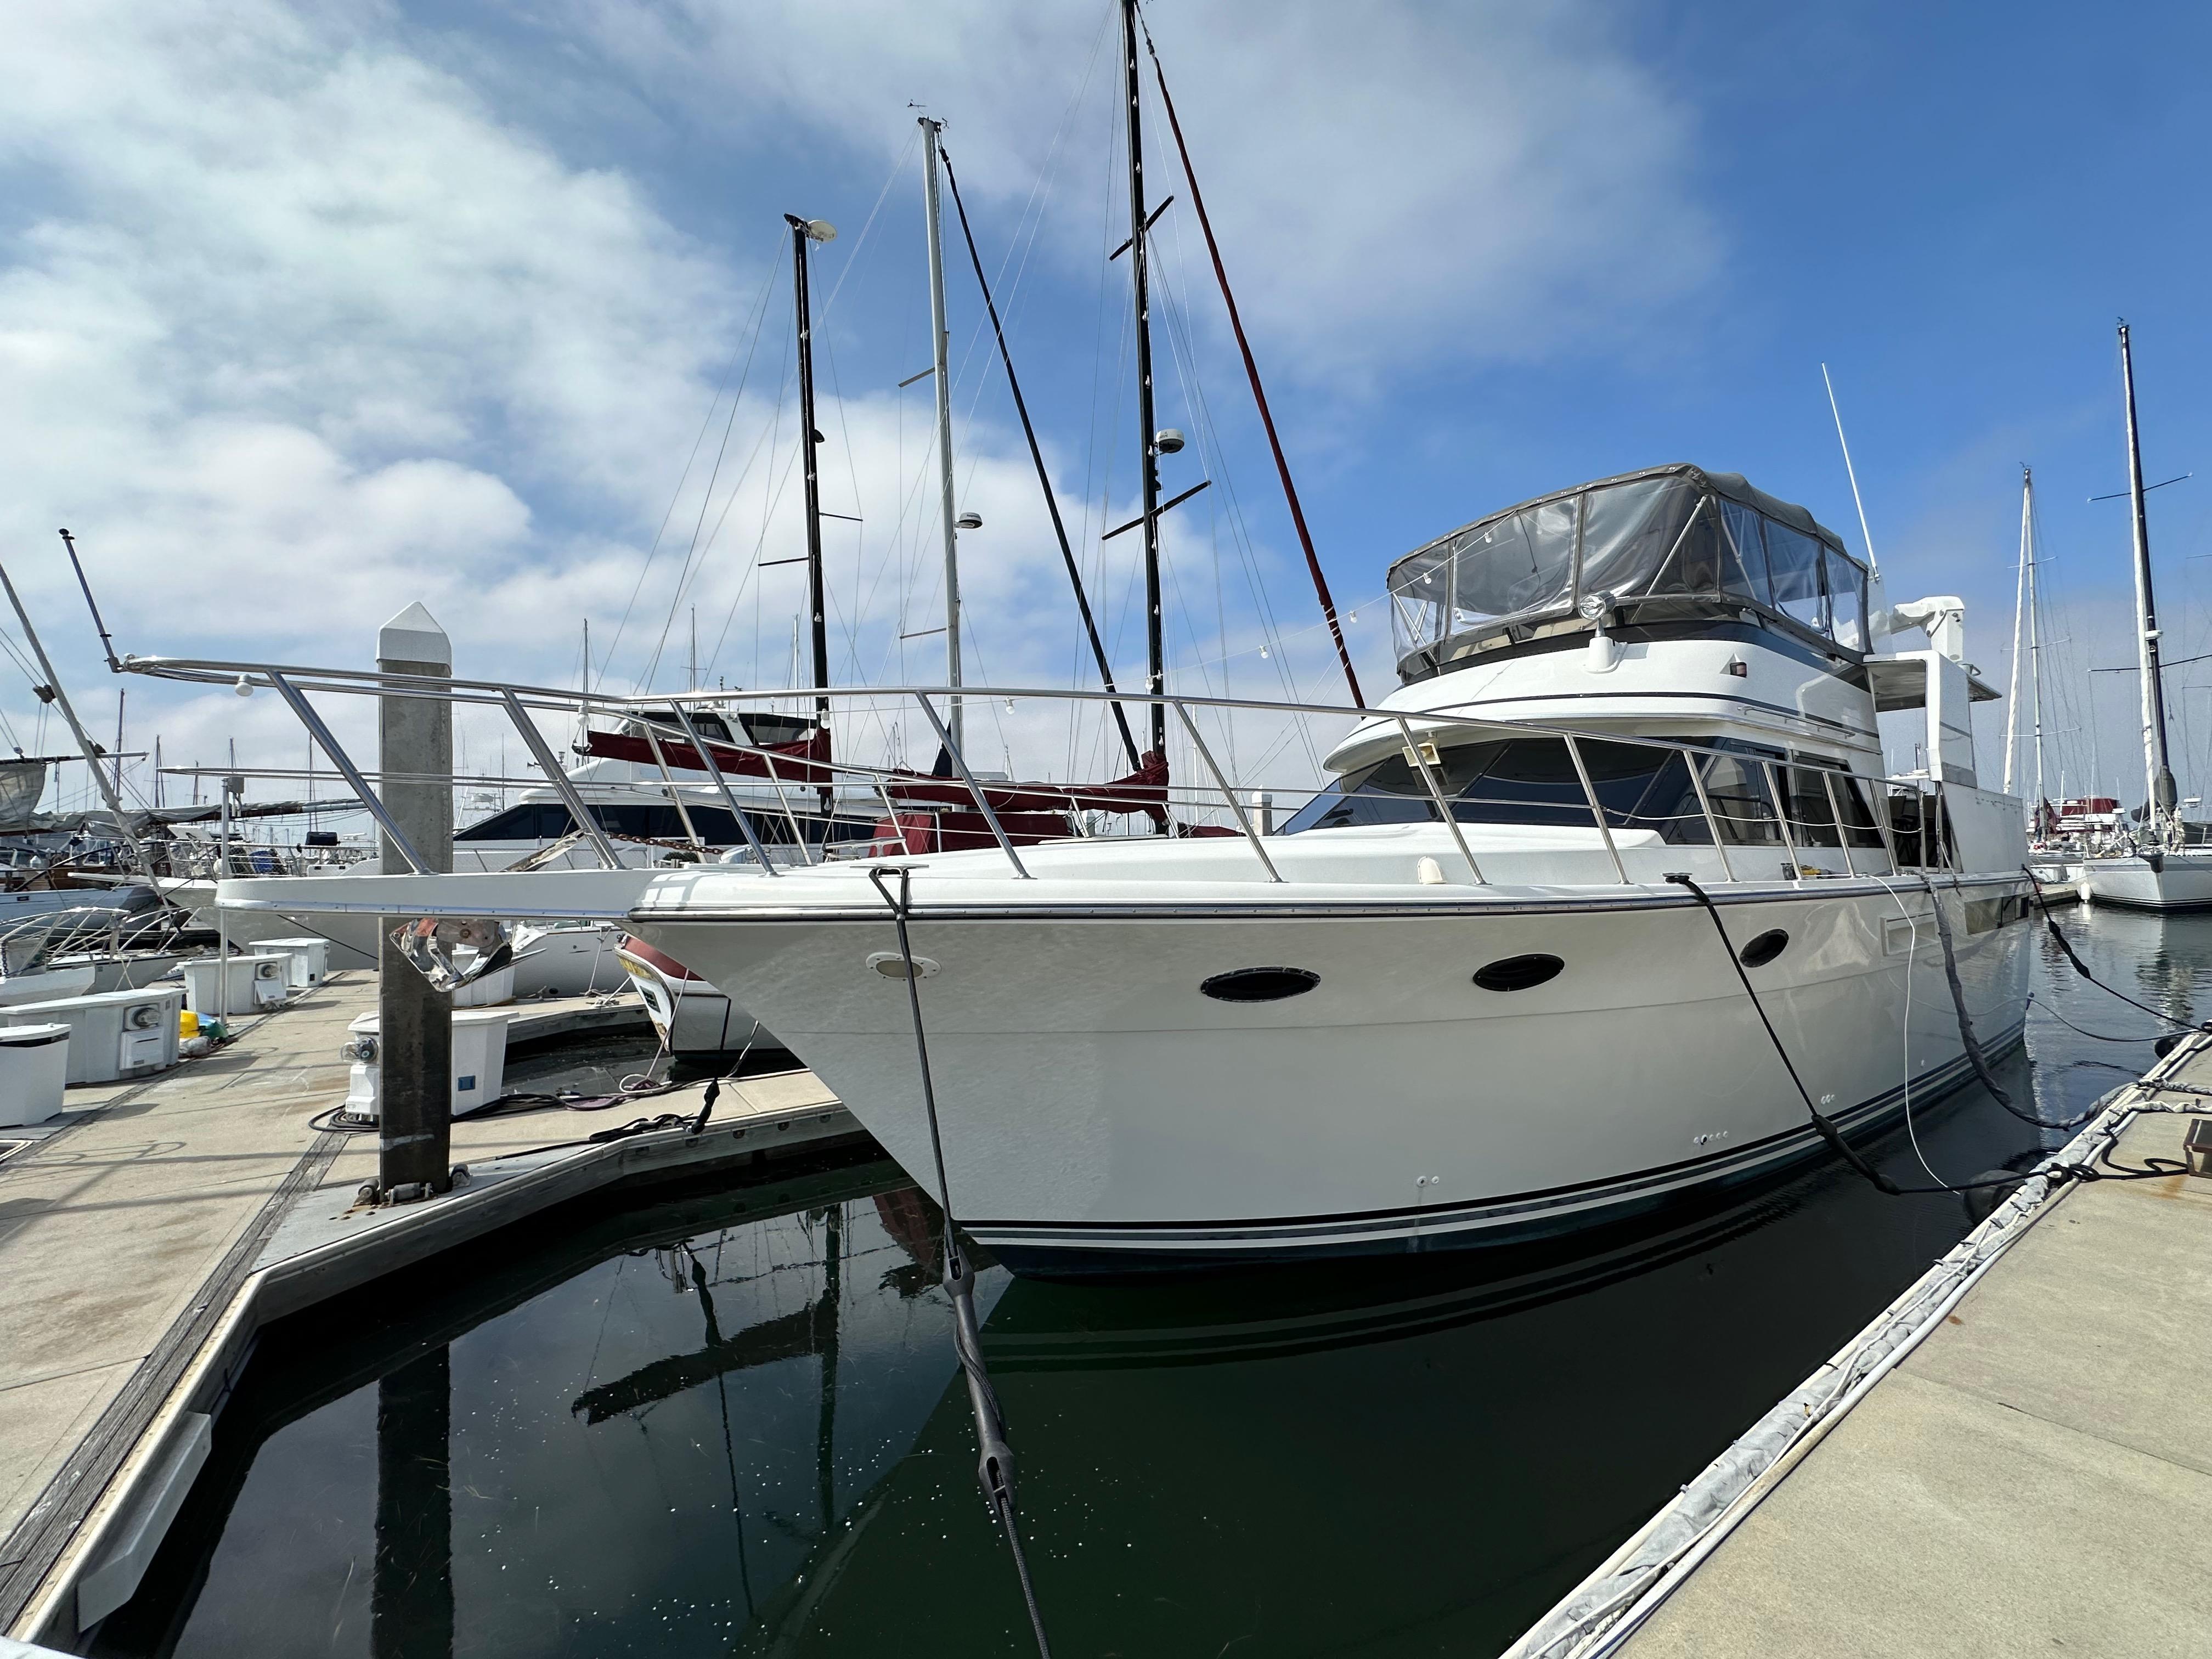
<point>803,231</point>
<point>1148,468</point>
<point>2018,627</point>
<point>940,346</point>
<point>2160,794</point>
<point>2034,628</point>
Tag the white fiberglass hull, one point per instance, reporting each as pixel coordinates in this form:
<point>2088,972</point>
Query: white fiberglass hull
<point>2161,881</point>
<point>1100,1114</point>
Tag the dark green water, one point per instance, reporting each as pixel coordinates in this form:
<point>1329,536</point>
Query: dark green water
<point>720,1424</point>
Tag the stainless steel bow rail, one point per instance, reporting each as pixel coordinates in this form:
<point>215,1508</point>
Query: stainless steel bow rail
<point>1904,840</point>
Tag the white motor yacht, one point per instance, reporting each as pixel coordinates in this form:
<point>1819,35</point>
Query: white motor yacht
<point>1389,1026</point>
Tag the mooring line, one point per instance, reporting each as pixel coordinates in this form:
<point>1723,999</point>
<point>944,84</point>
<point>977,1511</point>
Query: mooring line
<point>994,1468</point>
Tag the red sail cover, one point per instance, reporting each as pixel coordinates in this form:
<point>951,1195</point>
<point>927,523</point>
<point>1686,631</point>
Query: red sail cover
<point>792,760</point>
<point>1145,790</point>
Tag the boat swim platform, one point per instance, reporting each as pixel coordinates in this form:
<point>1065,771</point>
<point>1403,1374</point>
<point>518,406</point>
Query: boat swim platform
<point>150,1232</point>
<point>2014,1469</point>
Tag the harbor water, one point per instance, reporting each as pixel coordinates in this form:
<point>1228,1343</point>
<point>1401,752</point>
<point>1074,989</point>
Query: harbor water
<point>730,1422</point>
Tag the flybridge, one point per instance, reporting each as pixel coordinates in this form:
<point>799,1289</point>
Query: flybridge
<point>1669,544</point>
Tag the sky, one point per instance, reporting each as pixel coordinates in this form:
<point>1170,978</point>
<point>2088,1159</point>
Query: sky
<point>307,312</point>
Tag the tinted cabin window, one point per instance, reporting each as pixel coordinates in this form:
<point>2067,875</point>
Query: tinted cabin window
<point>1811,818</point>
<point>1736,784</point>
<point>531,821</point>
<point>1529,781</point>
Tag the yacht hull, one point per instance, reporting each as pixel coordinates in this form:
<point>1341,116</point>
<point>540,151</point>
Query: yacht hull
<point>1100,1114</point>
<point>2166,881</point>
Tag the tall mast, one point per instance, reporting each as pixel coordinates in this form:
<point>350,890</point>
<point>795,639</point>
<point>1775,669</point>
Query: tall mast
<point>2034,627</point>
<point>2160,794</point>
<point>2019,627</point>
<point>90,751</point>
<point>803,231</point>
<point>1147,468</point>
<point>940,345</point>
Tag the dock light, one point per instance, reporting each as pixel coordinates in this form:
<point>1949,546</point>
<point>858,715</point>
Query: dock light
<point>1167,442</point>
<point>968,521</point>
<point>244,688</point>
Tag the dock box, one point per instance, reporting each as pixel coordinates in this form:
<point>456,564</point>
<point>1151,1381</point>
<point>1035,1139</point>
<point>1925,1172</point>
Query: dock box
<point>113,1035</point>
<point>34,1070</point>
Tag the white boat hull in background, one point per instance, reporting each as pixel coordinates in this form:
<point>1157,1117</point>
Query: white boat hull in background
<point>1099,1113</point>
<point>2159,881</point>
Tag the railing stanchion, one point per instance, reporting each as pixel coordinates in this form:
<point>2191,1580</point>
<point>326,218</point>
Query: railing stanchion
<point>675,796</point>
<point>1782,818</point>
<point>1705,804</point>
<point>1437,795</point>
<point>344,762</point>
<point>729,800</point>
<point>797,832</point>
<point>1843,829</point>
<point>1597,810</point>
<point>1228,791</point>
<point>555,774</point>
<point>1005,845</point>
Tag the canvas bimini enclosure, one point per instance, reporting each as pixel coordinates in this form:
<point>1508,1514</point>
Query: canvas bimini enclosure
<point>1668,545</point>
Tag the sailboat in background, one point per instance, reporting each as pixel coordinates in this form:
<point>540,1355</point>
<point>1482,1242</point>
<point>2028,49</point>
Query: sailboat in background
<point>2164,872</point>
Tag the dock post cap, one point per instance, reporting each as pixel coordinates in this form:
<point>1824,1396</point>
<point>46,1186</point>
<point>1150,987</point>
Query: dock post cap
<point>414,636</point>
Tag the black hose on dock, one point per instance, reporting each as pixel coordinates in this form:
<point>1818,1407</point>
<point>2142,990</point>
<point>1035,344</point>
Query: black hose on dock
<point>994,1467</point>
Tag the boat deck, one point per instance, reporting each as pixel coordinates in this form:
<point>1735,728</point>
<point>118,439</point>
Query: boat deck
<point>147,1232</point>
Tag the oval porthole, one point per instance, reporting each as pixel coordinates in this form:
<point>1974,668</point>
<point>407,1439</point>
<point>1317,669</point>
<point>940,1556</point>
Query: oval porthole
<point>1764,949</point>
<point>1259,984</point>
<point>1517,973</point>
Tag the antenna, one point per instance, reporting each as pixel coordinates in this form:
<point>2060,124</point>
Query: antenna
<point>1873,565</point>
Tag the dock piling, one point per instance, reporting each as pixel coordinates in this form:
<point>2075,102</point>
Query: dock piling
<point>415,751</point>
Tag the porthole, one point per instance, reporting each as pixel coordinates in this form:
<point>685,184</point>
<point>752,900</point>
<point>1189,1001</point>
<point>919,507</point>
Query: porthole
<point>1764,949</point>
<point>1518,973</point>
<point>1259,984</point>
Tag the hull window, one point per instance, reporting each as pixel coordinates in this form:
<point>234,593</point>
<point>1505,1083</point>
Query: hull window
<point>1260,984</point>
<point>1764,949</point>
<point>1518,973</point>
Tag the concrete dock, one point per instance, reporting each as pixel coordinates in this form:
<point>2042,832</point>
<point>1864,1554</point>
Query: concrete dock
<point>147,1234</point>
<point>2027,1477</point>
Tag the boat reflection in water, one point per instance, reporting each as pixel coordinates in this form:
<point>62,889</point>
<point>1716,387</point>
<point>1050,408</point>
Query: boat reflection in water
<point>733,1423</point>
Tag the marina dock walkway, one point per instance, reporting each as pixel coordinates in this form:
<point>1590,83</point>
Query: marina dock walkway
<point>2026,1479</point>
<point>147,1233</point>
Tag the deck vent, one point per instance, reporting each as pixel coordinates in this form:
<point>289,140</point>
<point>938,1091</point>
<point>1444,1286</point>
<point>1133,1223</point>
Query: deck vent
<point>1764,949</point>
<point>1518,973</point>
<point>1259,984</point>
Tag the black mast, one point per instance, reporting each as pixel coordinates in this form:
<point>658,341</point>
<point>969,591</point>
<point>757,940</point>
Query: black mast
<point>2161,795</point>
<point>803,231</point>
<point>1155,658</point>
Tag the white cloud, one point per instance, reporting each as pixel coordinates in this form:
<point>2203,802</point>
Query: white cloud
<point>1396,186</point>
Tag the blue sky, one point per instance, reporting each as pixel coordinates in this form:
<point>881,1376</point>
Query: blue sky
<point>306,312</point>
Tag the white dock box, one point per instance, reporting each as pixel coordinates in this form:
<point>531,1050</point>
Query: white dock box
<point>113,1035</point>
<point>479,1060</point>
<point>33,1071</point>
<point>310,963</point>
<point>255,983</point>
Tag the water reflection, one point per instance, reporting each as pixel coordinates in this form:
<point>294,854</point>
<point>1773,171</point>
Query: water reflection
<point>731,1425</point>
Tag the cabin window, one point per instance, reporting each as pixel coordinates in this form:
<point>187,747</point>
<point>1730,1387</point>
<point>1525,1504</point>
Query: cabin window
<point>1846,601</point>
<point>1920,826</point>
<point>1811,819</point>
<point>1742,805</point>
<point>1523,566</point>
<point>1528,780</point>
<point>1793,563</point>
<point>1746,574</point>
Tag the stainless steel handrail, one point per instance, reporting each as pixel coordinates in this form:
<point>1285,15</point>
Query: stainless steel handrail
<point>518,701</point>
